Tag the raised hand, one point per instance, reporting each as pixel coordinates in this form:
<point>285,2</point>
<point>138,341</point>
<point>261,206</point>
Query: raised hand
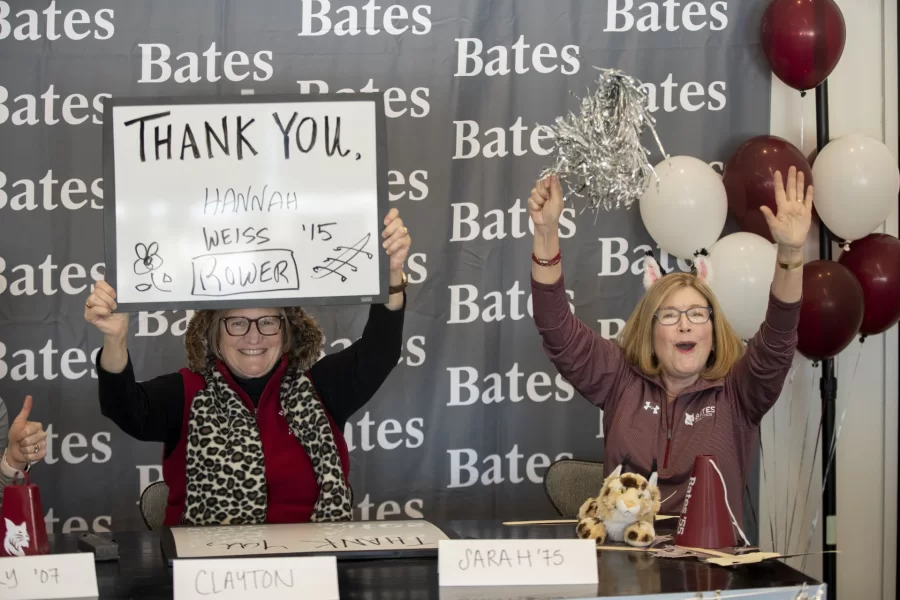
<point>396,239</point>
<point>545,204</point>
<point>790,227</point>
<point>98,311</point>
<point>27,439</point>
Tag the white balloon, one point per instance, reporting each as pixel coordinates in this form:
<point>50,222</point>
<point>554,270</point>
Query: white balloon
<point>743,266</point>
<point>687,210</point>
<point>856,182</point>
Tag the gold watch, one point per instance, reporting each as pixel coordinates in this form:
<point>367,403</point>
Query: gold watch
<point>396,289</point>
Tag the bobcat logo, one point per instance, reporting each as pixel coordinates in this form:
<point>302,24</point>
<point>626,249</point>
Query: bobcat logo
<point>16,539</point>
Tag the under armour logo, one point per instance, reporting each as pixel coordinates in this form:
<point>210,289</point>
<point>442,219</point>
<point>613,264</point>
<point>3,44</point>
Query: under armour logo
<point>654,407</point>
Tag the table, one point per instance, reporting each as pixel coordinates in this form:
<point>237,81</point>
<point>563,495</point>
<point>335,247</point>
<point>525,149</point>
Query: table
<point>141,571</point>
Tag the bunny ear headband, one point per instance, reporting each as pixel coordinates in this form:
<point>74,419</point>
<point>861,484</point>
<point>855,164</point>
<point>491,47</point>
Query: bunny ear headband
<point>700,267</point>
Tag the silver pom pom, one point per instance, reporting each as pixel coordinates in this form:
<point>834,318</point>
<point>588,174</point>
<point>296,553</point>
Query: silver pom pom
<point>598,151</point>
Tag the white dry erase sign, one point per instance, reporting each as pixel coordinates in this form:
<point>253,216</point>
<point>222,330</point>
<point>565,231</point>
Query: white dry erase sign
<point>517,562</point>
<point>249,200</point>
<point>343,538</point>
<point>274,578</point>
<point>48,576</point>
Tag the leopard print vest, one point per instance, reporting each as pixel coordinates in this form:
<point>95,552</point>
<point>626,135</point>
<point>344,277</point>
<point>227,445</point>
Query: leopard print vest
<point>225,471</point>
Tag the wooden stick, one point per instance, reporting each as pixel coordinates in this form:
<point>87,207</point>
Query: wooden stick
<point>705,551</point>
<point>570,521</point>
<point>551,522</point>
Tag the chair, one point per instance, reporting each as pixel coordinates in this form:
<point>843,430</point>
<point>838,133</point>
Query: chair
<point>153,504</point>
<point>568,483</point>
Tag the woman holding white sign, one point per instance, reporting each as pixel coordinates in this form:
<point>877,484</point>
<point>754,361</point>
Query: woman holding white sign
<point>678,382</point>
<point>252,428</point>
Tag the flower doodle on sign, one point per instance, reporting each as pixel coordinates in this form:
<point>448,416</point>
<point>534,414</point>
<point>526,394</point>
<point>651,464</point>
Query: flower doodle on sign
<point>148,261</point>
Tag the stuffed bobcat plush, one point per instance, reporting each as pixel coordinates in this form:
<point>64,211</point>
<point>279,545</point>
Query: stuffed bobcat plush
<point>624,511</point>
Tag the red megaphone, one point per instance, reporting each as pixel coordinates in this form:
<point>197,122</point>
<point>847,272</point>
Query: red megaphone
<point>22,526</point>
<point>705,520</point>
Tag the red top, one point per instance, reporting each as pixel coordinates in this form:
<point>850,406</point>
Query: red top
<point>292,489</point>
<point>711,417</point>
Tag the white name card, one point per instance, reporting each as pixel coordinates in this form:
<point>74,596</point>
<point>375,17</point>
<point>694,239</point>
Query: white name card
<point>517,562</point>
<point>259,578</point>
<point>48,576</point>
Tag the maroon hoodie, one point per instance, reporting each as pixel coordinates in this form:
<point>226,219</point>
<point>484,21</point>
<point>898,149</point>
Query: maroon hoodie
<point>711,417</point>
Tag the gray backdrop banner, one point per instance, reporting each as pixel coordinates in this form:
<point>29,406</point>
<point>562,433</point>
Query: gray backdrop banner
<point>474,413</point>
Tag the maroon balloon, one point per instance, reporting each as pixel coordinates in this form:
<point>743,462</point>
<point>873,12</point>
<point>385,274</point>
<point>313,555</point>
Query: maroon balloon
<point>803,40</point>
<point>875,262</point>
<point>748,179</point>
<point>832,310</point>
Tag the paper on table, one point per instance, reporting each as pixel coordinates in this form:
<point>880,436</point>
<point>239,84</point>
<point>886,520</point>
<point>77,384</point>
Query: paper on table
<point>281,577</point>
<point>517,562</point>
<point>48,576</point>
<point>304,538</point>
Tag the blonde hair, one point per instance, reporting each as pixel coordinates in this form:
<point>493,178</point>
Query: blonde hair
<point>636,338</point>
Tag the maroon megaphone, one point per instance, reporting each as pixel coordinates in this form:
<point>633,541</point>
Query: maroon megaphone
<point>704,521</point>
<point>22,525</point>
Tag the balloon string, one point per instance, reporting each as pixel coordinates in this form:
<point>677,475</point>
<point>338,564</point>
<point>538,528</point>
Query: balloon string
<point>728,505</point>
<point>812,469</point>
<point>775,469</point>
<point>815,521</point>
<point>834,441</point>
<point>762,456</point>
<point>801,126</point>
<point>787,490</point>
<point>800,471</point>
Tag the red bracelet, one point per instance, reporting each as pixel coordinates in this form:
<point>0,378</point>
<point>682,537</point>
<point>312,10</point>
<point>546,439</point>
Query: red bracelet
<point>547,263</point>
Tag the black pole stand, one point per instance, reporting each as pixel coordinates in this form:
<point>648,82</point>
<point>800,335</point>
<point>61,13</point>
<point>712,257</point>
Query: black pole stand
<point>828,388</point>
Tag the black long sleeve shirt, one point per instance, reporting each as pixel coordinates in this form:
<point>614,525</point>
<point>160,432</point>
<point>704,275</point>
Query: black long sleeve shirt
<point>153,410</point>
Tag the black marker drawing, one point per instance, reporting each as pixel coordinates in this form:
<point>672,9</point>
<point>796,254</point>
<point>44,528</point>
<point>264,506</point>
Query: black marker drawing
<point>334,265</point>
<point>245,545</point>
<point>147,262</point>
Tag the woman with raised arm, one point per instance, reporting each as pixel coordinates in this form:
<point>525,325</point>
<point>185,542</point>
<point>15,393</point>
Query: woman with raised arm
<point>252,428</point>
<point>678,382</point>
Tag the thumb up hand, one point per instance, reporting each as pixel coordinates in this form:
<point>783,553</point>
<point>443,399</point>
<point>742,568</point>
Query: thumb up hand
<point>27,439</point>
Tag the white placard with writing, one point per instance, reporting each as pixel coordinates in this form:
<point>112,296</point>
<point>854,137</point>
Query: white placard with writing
<point>259,578</point>
<point>305,538</point>
<point>245,201</point>
<point>48,576</point>
<point>517,562</point>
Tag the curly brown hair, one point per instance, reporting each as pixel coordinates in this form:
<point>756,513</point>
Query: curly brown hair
<point>302,340</point>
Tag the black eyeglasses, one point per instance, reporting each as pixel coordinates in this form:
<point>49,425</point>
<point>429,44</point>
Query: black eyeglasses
<point>238,326</point>
<point>696,315</point>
